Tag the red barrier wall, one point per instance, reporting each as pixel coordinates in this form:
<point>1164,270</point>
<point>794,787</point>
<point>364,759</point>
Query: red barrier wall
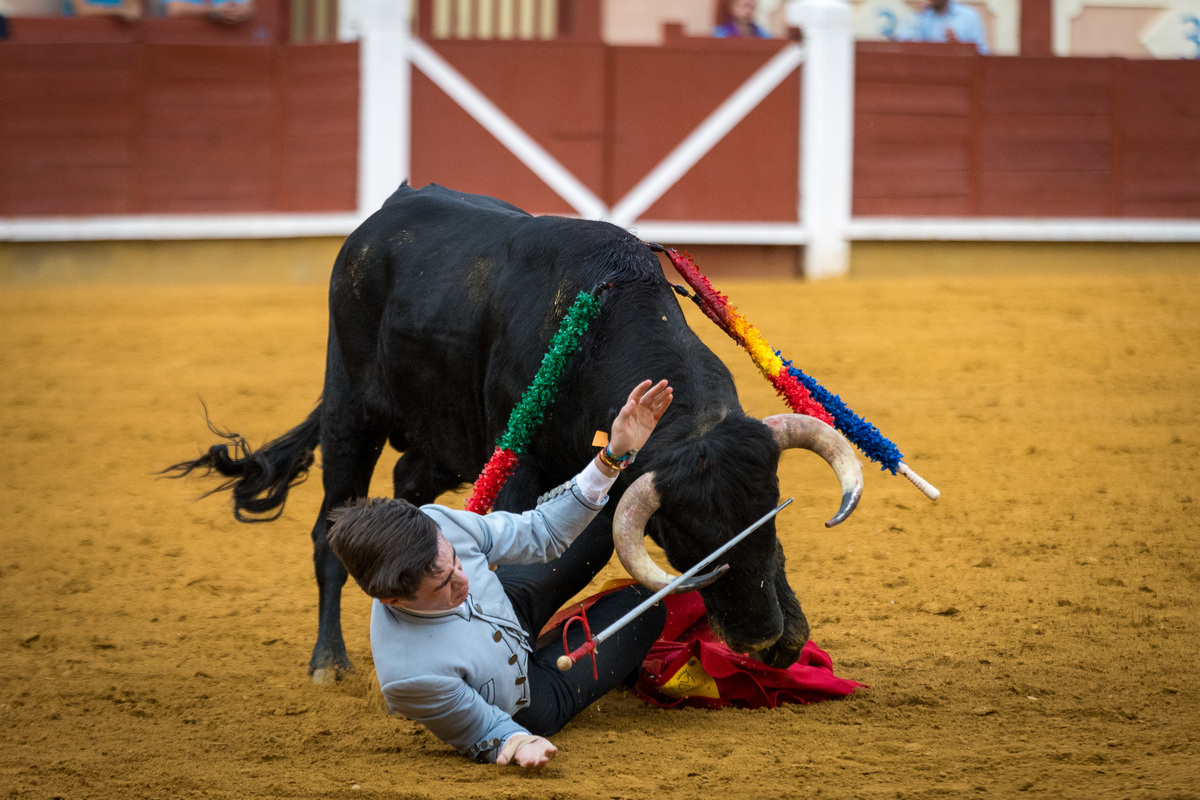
<point>155,128</point>
<point>609,115</point>
<point>965,135</point>
<point>139,127</point>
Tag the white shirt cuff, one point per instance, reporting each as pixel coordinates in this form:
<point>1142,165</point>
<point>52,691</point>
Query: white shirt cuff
<point>594,484</point>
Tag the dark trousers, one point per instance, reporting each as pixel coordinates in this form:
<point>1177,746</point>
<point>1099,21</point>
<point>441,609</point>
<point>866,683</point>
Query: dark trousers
<point>537,591</point>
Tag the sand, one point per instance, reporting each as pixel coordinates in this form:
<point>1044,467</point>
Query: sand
<point>1034,633</point>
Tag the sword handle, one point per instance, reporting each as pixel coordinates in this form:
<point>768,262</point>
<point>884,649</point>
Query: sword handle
<point>568,661</point>
<point>587,648</point>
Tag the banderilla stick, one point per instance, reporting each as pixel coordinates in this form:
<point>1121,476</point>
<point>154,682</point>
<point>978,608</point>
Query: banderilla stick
<point>565,662</point>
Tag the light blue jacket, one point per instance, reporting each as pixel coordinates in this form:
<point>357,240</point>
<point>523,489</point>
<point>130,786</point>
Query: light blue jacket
<point>929,26</point>
<point>464,673</point>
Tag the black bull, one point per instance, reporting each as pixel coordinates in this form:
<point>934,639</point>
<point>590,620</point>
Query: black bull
<point>441,307</point>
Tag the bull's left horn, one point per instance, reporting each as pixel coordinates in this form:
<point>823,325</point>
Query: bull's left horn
<point>637,505</point>
<point>810,433</point>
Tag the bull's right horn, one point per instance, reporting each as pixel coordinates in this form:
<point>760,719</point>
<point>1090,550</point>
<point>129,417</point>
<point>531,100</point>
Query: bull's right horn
<point>639,502</point>
<point>810,433</point>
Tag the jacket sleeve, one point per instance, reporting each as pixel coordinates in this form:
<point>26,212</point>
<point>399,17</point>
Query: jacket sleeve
<point>453,712</point>
<point>539,535</point>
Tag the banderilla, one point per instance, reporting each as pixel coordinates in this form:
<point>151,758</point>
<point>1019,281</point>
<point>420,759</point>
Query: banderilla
<point>588,648</point>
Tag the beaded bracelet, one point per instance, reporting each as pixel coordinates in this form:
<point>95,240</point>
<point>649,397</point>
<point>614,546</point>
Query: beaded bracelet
<point>617,462</point>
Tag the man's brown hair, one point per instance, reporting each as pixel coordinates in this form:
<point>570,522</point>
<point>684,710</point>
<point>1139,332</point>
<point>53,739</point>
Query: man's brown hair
<point>388,546</point>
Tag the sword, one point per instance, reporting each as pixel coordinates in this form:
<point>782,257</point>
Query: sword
<point>565,662</point>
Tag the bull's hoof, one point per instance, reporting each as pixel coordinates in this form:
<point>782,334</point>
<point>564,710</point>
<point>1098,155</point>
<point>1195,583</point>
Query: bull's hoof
<point>329,665</point>
<point>326,676</point>
<point>329,676</point>
<point>779,655</point>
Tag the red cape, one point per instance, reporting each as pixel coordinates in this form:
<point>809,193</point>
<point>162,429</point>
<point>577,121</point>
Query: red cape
<point>689,666</point>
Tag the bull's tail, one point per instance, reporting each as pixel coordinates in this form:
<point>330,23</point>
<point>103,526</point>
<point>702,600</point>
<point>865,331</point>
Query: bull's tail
<point>260,479</point>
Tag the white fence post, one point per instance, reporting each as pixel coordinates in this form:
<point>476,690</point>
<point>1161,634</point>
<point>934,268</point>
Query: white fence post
<point>827,133</point>
<point>385,107</point>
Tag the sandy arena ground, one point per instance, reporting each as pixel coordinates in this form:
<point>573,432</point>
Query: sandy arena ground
<point>1034,633</point>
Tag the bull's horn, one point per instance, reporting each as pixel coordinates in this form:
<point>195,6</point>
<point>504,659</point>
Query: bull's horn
<point>809,433</point>
<point>638,503</point>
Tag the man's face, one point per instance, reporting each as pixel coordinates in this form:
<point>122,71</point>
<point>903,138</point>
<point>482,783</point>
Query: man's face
<point>445,589</point>
<point>742,10</point>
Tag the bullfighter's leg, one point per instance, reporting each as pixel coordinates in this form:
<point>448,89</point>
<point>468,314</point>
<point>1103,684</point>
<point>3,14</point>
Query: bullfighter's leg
<point>537,591</point>
<point>559,696</point>
<point>348,456</point>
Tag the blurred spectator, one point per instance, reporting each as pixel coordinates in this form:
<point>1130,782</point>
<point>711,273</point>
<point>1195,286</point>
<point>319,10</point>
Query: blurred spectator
<point>945,21</point>
<point>227,11</point>
<point>3,27</point>
<point>125,9</point>
<point>735,18</point>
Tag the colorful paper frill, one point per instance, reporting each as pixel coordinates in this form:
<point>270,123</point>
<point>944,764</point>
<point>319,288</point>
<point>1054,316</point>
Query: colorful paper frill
<point>862,434</point>
<point>496,473</point>
<point>527,417</point>
<point>717,307</point>
<point>802,393</point>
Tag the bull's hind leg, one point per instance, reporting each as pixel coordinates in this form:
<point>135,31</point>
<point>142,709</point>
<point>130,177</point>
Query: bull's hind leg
<point>348,456</point>
<point>420,478</point>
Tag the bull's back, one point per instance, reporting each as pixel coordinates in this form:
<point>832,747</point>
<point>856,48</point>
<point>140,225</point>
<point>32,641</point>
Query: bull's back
<point>444,303</point>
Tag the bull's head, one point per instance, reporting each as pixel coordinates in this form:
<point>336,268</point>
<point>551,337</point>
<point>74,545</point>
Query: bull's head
<point>701,494</point>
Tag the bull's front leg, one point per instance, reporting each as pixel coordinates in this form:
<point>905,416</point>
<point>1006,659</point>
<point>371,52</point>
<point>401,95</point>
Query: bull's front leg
<point>786,650</point>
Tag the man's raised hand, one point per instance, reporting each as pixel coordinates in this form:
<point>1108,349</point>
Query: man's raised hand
<point>638,417</point>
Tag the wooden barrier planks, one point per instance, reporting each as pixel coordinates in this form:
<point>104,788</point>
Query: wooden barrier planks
<point>1160,116</point>
<point>552,90</point>
<point>130,128</point>
<point>320,134</point>
<point>154,128</point>
<point>610,115</point>
<point>659,95</point>
<point>211,129</point>
<point>68,128</point>
<point>913,131</point>
<point>1037,137</point>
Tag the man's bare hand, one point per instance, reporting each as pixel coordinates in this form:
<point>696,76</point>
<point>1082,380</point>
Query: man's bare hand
<point>637,418</point>
<point>524,750</point>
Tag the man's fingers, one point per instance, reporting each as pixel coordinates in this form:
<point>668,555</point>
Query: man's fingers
<point>526,751</point>
<point>512,748</point>
<point>661,408</point>
<point>535,756</point>
<point>653,394</point>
